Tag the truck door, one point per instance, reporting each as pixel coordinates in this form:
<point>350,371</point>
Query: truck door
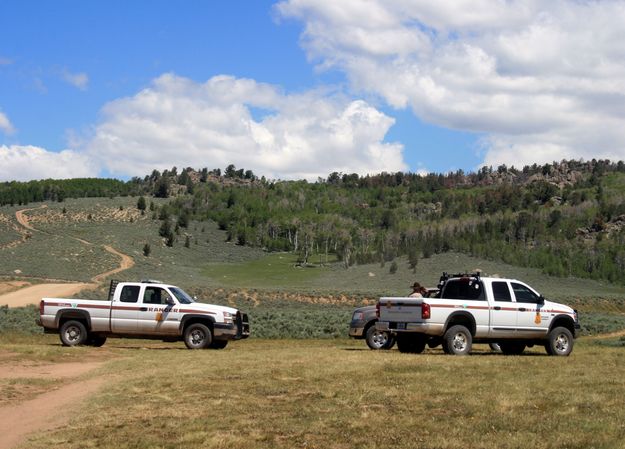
<point>125,310</point>
<point>156,315</point>
<point>503,312</point>
<point>530,321</point>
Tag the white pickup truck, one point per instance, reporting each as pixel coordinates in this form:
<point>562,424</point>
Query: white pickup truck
<point>470,308</point>
<point>146,309</point>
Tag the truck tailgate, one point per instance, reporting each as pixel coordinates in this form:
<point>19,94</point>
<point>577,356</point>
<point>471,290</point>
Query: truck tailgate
<point>401,310</point>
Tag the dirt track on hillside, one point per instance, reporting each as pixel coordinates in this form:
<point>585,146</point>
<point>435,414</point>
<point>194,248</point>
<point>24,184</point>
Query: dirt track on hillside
<point>33,294</point>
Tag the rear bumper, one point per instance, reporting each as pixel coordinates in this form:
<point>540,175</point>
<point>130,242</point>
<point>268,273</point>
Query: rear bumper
<point>422,328</point>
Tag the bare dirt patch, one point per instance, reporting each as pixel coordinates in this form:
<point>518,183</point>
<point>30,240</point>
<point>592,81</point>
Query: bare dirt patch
<point>47,411</point>
<point>39,396</point>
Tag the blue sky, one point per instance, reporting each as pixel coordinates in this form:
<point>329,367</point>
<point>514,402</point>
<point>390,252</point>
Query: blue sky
<point>114,88</point>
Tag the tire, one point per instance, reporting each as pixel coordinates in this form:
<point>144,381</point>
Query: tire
<point>457,340</point>
<point>197,336</point>
<point>73,333</point>
<point>390,343</point>
<point>495,347</point>
<point>218,344</point>
<point>96,340</point>
<point>560,342</point>
<point>377,339</point>
<point>512,348</point>
<point>411,343</point>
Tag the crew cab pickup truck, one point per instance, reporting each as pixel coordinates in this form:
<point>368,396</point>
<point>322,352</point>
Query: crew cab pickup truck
<point>471,308</point>
<point>146,309</point>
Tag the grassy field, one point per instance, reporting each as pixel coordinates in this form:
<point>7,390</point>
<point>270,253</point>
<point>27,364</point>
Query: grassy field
<point>337,394</point>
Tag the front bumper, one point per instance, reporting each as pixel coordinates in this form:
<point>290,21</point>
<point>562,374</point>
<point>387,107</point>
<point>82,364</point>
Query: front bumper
<point>356,331</point>
<point>576,329</point>
<point>238,330</point>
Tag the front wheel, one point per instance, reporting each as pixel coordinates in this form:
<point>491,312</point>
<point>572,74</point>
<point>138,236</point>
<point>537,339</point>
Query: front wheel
<point>559,342</point>
<point>73,333</point>
<point>457,340</point>
<point>197,336</point>
<point>378,339</point>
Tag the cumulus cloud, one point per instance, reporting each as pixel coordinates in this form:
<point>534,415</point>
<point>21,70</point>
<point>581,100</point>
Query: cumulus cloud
<point>177,121</point>
<point>541,79</point>
<point>79,80</point>
<point>23,163</point>
<point>5,124</point>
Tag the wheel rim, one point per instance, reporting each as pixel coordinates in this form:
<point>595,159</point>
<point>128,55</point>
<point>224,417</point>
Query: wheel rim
<point>561,343</point>
<point>459,342</point>
<point>379,339</point>
<point>197,337</point>
<point>72,334</point>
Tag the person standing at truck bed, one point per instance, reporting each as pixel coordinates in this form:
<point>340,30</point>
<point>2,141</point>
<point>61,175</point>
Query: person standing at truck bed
<point>417,291</point>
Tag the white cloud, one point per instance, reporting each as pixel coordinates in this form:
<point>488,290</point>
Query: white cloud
<point>79,80</point>
<point>23,163</point>
<point>543,79</point>
<point>177,121</point>
<point>5,124</point>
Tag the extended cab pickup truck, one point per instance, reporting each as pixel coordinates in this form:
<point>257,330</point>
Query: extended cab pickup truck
<point>471,308</point>
<point>146,309</point>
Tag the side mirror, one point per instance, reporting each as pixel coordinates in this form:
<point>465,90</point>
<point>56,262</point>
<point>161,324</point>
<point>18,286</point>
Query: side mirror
<point>170,301</point>
<point>541,299</point>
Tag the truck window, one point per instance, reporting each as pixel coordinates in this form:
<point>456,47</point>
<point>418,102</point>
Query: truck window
<point>468,289</point>
<point>501,292</point>
<point>182,296</point>
<point>155,295</point>
<point>524,294</point>
<point>130,293</point>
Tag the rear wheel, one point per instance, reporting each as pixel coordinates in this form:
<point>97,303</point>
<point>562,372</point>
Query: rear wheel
<point>73,333</point>
<point>512,348</point>
<point>378,339</point>
<point>197,336</point>
<point>411,343</point>
<point>560,342</point>
<point>457,340</point>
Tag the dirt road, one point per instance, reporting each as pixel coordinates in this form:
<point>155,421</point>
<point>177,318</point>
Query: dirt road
<point>33,294</point>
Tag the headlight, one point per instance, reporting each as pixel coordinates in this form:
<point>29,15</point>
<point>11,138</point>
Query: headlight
<point>228,317</point>
<point>358,316</point>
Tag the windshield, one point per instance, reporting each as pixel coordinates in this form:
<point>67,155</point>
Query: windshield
<point>181,295</point>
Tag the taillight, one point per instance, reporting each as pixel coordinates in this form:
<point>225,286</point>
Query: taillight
<point>377,309</point>
<point>425,311</point>
<point>41,307</point>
